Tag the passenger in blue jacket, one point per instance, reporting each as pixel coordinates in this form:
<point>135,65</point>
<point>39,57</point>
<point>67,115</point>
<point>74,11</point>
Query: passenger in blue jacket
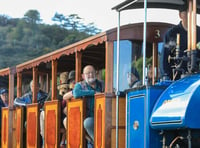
<point>87,89</point>
<point>170,43</point>
<point>3,97</point>
<point>27,98</point>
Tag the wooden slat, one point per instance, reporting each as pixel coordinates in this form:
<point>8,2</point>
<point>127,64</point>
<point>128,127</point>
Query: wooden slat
<point>109,67</point>
<point>75,124</point>
<point>155,63</point>
<point>4,128</point>
<point>122,111</point>
<point>19,127</point>
<point>54,79</point>
<point>32,128</point>
<point>78,66</point>
<point>121,138</point>
<point>35,84</point>
<point>12,72</point>
<point>19,84</point>
<point>99,122</point>
<point>121,123</point>
<point>105,121</point>
<point>52,124</point>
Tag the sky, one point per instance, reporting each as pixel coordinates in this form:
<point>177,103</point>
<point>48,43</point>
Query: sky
<point>98,12</point>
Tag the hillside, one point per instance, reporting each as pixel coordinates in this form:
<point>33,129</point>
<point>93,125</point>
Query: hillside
<point>22,39</point>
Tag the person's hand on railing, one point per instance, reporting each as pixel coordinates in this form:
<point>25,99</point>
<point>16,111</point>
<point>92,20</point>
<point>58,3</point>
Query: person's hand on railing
<point>68,96</point>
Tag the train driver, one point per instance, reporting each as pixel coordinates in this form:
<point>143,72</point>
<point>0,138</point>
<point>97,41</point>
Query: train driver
<point>170,43</point>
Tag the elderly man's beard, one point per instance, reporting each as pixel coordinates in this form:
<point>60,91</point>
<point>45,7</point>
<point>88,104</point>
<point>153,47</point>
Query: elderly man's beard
<point>90,80</point>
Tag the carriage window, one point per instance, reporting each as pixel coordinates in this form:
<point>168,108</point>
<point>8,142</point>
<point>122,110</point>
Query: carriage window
<point>130,51</point>
<point>160,47</point>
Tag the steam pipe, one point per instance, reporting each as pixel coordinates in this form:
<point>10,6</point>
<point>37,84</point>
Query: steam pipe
<point>189,24</point>
<point>163,141</point>
<point>194,22</point>
<point>189,139</point>
<point>175,139</point>
<point>193,36</point>
<point>192,52</point>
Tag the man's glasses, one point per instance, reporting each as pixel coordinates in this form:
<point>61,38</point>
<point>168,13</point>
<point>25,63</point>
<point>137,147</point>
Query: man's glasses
<point>89,73</point>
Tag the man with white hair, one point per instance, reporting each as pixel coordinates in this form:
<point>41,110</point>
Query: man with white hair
<point>87,89</point>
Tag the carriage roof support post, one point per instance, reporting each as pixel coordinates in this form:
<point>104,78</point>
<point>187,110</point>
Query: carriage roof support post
<point>117,87</point>
<point>144,81</point>
<point>12,72</point>
<point>54,80</point>
<point>78,59</point>
<point>35,83</point>
<point>144,43</point>
<point>19,84</point>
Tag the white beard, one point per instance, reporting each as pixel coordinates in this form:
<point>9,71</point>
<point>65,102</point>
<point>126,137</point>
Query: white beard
<point>90,80</point>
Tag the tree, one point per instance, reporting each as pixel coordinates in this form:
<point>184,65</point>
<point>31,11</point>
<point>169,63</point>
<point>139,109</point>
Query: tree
<point>91,29</point>
<point>3,20</point>
<point>74,21</point>
<point>32,17</point>
<point>60,18</point>
<point>18,32</point>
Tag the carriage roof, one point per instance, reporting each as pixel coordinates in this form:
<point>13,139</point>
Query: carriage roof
<point>166,4</point>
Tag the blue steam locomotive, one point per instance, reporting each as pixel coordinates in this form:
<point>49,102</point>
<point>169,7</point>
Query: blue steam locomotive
<point>166,114</point>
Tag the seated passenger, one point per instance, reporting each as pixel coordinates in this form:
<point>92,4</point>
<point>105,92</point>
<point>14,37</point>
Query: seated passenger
<point>150,75</point>
<point>70,81</point>
<point>62,86</point>
<point>3,97</point>
<point>87,89</point>
<point>133,78</point>
<point>68,95</point>
<point>3,102</point>
<point>27,98</point>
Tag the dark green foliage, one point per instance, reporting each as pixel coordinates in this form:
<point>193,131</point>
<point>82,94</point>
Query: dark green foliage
<point>27,38</point>
<point>139,65</point>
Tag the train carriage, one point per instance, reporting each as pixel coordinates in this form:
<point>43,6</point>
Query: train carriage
<point>121,115</point>
<point>99,51</point>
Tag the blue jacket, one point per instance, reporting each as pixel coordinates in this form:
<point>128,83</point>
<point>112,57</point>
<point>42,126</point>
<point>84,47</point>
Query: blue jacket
<point>84,90</point>
<point>1,105</point>
<point>27,98</point>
